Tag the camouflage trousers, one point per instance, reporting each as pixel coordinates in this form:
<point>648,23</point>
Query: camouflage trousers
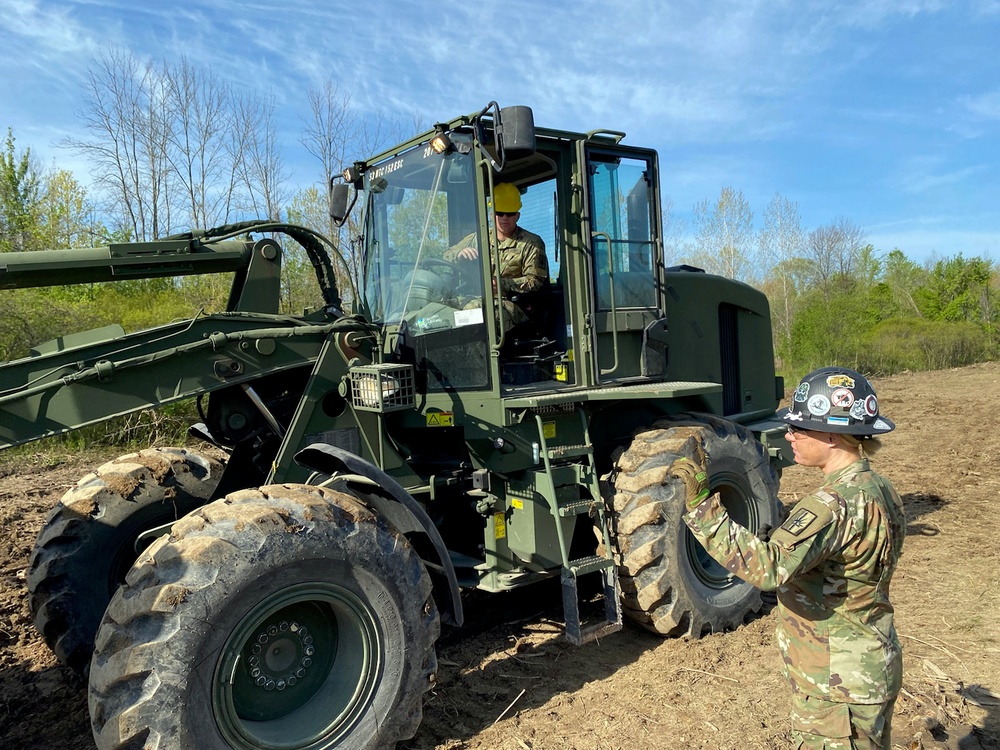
<point>818,724</point>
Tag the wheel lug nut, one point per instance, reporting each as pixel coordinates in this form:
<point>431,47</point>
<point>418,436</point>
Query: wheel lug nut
<point>309,651</point>
<point>280,685</point>
<point>300,673</point>
<point>255,672</point>
<point>308,640</point>
<point>269,685</point>
<point>307,662</point>
<point>283,626</point>
<point>259,682</point>
<point>255,649</point>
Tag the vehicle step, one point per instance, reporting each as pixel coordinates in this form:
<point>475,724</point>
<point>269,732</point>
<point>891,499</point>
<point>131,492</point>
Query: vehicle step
<point>576,632</point>
<point>560,452</point>
<point>591,564</point>
<point>577,508</point>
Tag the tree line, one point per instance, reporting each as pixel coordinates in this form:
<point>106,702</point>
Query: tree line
<point>835,298</point>
<point>172,146</point>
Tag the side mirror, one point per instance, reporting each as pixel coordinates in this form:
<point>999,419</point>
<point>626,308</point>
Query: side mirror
<point>340,196</point>
<point>518,132</point>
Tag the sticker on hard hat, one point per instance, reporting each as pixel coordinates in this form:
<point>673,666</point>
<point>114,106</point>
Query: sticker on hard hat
<point>871,406</point>
<point>842,398</point>
<point>858,410</point>
<point>802,392</point>
<point>881,424</point>
<point>838,420</point>
<point>840,381</point>
<point>819,405</point>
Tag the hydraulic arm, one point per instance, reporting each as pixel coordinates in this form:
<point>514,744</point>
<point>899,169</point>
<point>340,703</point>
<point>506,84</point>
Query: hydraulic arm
<point>84,378</point>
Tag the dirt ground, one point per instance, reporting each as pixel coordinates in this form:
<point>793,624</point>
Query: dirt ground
<point>507,682</point>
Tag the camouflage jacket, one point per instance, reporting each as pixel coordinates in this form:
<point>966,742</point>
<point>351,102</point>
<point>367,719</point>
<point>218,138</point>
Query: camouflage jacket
<point>831,564</point>
<point>523,265</point>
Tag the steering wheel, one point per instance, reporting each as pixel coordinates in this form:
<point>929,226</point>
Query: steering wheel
<point>450,268</point>
<point>457,275</point>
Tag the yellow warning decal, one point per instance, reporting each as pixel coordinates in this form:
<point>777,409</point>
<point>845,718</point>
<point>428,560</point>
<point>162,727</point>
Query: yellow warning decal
<point>440,419</point>
<point>549,430</point>
<point>518,504</point>
<point>499,526</point>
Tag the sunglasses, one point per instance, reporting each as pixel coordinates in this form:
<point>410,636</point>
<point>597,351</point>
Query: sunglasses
<point>505,213</point>
<point>793,430</point>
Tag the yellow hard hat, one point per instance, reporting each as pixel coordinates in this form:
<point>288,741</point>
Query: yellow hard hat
<point>506,198</point>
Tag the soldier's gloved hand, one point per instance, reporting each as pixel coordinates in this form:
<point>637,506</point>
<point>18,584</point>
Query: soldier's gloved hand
<point>695,479</point>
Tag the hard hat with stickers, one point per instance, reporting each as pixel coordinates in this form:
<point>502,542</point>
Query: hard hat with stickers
<point>835,399</point>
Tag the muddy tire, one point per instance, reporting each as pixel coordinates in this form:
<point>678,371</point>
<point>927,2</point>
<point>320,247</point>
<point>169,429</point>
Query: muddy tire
<point>88,541</point>
<point>669,583</point>
<point>288,616</point>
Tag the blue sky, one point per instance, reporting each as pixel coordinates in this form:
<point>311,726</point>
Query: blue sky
<point>884,112</point>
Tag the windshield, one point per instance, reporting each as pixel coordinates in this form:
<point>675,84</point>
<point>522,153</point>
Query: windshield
<point>420,205</point>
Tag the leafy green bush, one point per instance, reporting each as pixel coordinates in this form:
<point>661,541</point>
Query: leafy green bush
<point>832,329</point>
<point>32,316</point>
<point>917,344</point>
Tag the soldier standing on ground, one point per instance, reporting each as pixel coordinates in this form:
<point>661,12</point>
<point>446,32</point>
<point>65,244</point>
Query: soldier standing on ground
<point>523,265</point>
<point>831,564</point>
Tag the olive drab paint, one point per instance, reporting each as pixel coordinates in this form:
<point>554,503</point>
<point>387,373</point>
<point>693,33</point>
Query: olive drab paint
<point>477,405</point>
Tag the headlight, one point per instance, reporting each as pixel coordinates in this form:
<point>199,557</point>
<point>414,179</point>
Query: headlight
<point>382,388</point>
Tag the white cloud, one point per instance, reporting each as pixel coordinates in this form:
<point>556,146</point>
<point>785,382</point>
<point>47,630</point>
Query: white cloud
<point>924,175</point>
<point>985,106</point>
<point>722,89</point>
<point>43,41</point>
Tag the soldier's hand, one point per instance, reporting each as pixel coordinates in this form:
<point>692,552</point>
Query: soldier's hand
<point>695,479</point>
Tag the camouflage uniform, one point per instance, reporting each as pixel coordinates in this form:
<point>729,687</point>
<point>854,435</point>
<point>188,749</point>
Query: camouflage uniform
<point>831,564</point>
<point>523,268</point>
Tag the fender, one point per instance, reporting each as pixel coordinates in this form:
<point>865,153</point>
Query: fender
<point>329,459</point>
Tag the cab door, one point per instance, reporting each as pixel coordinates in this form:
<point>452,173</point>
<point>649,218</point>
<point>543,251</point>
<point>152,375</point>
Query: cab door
<point>626,262</point>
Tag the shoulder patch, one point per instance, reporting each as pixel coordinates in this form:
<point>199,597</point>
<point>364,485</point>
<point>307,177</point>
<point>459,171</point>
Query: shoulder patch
<point>810,516</point>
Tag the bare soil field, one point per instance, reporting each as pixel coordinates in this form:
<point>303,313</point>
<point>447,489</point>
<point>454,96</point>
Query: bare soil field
<point>508,682</point>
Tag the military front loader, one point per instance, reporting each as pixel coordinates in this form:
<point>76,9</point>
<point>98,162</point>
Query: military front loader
<point>396,446</point>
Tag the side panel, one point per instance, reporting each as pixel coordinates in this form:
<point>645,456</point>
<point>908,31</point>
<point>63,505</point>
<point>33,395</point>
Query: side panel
<point>719,330</point>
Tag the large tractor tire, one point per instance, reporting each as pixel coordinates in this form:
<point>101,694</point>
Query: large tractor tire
<point>287,617</point>
<point>88,542</point>
<point>669,583</point>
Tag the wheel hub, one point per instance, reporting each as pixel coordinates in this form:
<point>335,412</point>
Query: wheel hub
<point>285,660</point>
<point>281,655</point>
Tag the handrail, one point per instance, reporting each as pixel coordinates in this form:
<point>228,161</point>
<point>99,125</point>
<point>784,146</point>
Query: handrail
<point>614,308</point>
